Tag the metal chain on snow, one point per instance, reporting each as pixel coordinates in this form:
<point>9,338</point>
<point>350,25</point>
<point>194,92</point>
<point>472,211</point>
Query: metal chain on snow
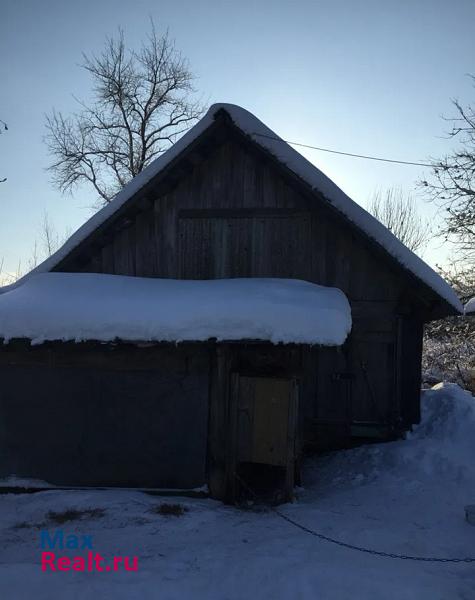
<point>369,550</point>
<point>326,538</point>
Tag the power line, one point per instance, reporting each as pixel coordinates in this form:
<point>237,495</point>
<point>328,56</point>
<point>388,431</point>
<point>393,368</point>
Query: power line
<point>378,158</point>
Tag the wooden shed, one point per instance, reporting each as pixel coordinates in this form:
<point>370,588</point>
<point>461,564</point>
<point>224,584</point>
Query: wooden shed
<point>229,200</point>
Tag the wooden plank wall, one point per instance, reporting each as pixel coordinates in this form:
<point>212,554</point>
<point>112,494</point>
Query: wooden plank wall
<point>235,215</point>
<point>105,414</point>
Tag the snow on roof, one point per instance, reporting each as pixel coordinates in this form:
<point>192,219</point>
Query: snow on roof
<point>470,306</point>
<point>85,306</point>
<point>266,138</point>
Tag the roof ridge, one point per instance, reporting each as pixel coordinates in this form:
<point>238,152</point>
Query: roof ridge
<point>267,139</point>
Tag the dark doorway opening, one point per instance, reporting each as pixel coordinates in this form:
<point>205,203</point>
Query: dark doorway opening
<point>261,483</point>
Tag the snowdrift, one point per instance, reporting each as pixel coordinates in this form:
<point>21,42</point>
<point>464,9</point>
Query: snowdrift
<point>445,438</point>
<point>441,448</point>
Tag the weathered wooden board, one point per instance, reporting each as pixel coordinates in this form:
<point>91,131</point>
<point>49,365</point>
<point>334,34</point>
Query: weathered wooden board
<point>233,213</point>
<point>263,420</point>
<point>106,424</point>
<point>270,246</point>
<point>408,377</point>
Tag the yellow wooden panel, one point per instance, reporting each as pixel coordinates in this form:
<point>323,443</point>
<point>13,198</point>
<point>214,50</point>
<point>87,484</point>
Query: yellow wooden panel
<point>270,423</point>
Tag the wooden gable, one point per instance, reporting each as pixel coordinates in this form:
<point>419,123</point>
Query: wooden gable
<point>226,208</point>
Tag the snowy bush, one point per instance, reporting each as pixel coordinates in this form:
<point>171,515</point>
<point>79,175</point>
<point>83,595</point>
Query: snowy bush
<point>449,344</point>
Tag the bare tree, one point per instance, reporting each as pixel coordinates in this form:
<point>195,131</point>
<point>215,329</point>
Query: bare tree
<point>45,245</point>
<point>449,344</point>
<point>8,277</point>
<point>452,184</point>
<point>3,127</point>
<point>398,212</point>
<point>4,277</point>
<point>50,238</point>
<point>48,242</point>
<point>142,101</point>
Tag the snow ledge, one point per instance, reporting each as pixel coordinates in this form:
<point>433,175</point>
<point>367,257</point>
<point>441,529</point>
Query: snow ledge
<point>84,306</point>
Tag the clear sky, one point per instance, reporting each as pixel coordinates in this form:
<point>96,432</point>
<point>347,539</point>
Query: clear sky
<point>365,76</point>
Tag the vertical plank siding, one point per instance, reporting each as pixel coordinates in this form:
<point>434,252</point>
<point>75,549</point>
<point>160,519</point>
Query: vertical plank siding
<point>105,415</point>
<point>309,242</point>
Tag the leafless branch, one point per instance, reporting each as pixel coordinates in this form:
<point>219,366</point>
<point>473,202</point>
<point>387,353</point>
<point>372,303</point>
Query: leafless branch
<point>398,212</point>
<point>3,127</point>
<point>143,100</point>
<point>452,183</point>
<point>449,344</point>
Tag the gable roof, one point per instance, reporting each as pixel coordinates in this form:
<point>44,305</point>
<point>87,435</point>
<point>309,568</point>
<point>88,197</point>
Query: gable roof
<point>264,137</point>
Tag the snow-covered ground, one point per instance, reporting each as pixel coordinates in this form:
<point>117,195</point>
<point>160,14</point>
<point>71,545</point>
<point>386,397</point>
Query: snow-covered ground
<point>404,497</point>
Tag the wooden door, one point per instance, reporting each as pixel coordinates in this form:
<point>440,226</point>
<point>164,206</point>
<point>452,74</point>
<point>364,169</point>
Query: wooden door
<point>265,423</point>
